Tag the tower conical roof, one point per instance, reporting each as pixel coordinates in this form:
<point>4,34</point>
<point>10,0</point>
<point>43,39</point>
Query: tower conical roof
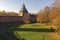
<point>23,9</point>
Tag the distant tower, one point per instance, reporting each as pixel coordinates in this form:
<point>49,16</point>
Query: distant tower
<point>23,10</point>
<point>24,13</point>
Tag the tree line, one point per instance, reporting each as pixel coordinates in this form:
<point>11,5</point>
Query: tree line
<point>50,16</point>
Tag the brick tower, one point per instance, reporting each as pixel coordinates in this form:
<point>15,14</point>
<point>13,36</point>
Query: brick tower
<point>24,13</point>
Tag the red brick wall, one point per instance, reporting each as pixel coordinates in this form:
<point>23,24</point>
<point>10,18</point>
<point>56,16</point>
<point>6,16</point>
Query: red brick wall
<point>11,19</point>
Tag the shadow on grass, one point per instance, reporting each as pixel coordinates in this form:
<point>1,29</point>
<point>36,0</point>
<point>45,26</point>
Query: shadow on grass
<point>34,30</point>
<point>6,30</point>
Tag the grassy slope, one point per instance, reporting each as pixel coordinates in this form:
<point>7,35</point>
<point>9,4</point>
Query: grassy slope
<point>28,35</point>
<point>36,25</point>
<point>32,26</point>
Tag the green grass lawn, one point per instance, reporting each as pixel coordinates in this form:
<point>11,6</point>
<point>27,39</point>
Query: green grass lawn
<point>33,26</point>
<point>31,35</point>
<point>26,31</point>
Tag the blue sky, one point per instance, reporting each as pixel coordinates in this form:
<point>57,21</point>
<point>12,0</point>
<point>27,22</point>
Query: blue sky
<point>31,5</point>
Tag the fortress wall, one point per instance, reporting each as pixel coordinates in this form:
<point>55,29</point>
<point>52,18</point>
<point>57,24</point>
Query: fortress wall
<point>10,18</point>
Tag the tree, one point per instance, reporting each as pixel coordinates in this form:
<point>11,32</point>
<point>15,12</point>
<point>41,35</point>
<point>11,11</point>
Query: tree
<point>12,14</point>
<point>2,13</point>
<point>40,18</point>
<point>54,13</point>
<point>43,17</point>
<point>56,22</point>
<point>46,13</point>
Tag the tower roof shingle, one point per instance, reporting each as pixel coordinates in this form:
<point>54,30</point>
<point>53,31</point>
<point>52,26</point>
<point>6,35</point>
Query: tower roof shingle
<point>23,9</point>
